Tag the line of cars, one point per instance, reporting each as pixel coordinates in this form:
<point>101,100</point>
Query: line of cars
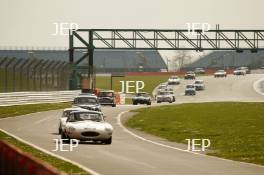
<point>237,71</point>
<point>191,89</point>
<point>164,94</point>
<point>165,91</point>
<point>241,71</point>
<point>220,73</point>
<point>85,121</point>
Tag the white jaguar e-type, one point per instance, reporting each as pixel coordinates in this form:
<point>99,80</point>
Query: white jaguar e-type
<point>87,126</point>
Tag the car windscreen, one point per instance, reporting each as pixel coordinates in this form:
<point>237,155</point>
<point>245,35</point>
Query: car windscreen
<point>174,78</point>
<point>86,117</point>
<point>189,86</point>
<point>106,94</point>
<point>85,100</point>
<point>198,82</point>
<point>163,93</point>
<point>141,95</point>
<point>67,113</point>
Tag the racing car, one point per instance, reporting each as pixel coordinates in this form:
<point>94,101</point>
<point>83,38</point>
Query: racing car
<point>239,71</point>
<point>87,126</point>
<point>162,86</point>
<point>190,89</point>
<point>141,98</point>
<point>174,80</point>
<point>220,73</point>
<point>199,85</point>
<point>171,91</point>
<point>88,101</point>
<point>165,96</point>
<point>246,69</point>
<point>190,75</point>
<point>199,71</point>
<point>107,98</point>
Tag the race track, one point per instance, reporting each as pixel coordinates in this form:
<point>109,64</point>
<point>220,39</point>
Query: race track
<point>129,155</point>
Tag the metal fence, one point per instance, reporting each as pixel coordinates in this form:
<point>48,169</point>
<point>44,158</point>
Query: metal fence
<point>33,75</point>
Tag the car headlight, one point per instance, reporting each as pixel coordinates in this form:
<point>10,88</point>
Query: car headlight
<point>108,129</point>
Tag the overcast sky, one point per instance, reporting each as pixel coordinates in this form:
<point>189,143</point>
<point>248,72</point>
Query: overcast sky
<point>31,22</point>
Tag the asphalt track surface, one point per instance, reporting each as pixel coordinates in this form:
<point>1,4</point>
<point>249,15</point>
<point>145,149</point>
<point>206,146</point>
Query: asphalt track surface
<point>130,155</point>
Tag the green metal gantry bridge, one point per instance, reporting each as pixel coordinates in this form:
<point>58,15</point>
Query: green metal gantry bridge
<point>152,39</point>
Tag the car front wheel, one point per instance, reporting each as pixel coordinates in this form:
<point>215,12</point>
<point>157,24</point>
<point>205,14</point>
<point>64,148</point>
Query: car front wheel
<point>65,138</point>
<point>60,130</point>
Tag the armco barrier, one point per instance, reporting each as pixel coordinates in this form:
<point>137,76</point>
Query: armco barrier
<point>20,98</point>
<point>13,161</point>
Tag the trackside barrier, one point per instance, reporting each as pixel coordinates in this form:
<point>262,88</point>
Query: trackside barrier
<point>117,98</point>
<point>14,161</point>
<point>20,98</point>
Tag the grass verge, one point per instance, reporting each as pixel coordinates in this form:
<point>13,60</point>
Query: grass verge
<point>11,111</point>
<point>150,82</point>
<point>234,128</point>
<point>26,109</point>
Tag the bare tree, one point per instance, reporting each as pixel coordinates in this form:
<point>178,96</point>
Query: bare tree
<point>181,59</point>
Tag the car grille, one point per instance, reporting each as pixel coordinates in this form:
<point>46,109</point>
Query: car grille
<point>90,134</point>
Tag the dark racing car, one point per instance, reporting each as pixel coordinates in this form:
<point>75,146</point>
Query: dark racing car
<point>107,98</point>
<point>189,75</point>
<point>141,98</point>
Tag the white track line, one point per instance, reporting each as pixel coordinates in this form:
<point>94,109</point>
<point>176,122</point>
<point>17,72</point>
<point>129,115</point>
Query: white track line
<point>142,138</point>
<point>256,86</point>
<point>52,154</point>
<point>175,148</point>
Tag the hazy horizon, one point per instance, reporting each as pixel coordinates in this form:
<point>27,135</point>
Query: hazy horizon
<point>31,22</point>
